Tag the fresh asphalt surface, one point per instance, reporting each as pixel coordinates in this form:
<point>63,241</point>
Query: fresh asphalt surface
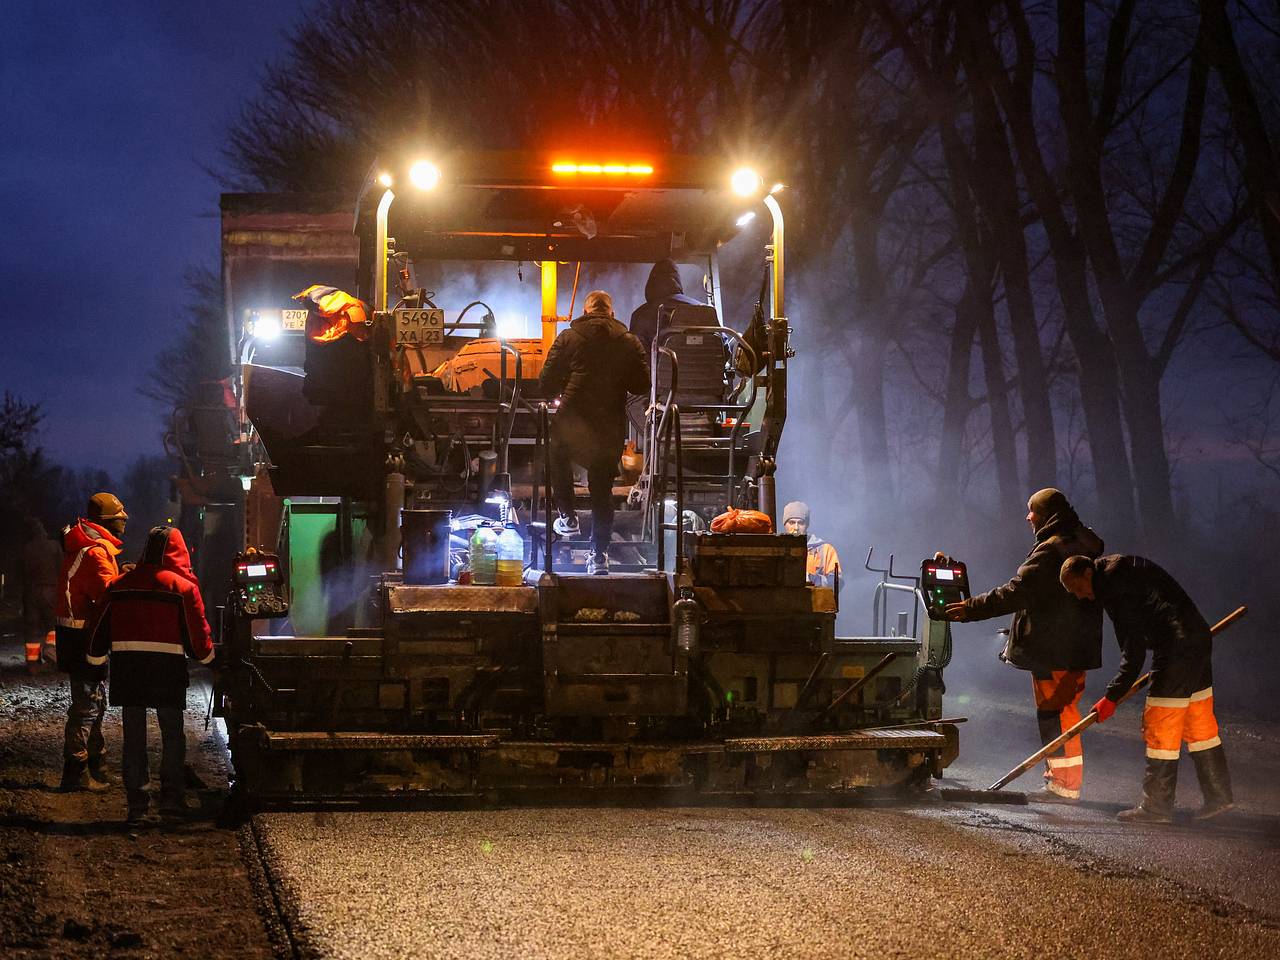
<point>925,878</point>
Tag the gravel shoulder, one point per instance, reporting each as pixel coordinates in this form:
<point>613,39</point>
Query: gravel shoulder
<point>76,880</point>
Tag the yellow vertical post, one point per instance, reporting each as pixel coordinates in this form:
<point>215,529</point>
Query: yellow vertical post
<point>383,244</point>
<point>549,315</point>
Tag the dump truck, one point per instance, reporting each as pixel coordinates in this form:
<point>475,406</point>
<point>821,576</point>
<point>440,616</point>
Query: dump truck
<point>394,407</point>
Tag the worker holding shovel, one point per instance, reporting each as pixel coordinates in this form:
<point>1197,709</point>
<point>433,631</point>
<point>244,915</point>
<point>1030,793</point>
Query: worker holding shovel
<point>1151,611</point>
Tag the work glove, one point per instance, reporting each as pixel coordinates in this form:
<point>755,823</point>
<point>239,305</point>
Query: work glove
<point>1104,709</point>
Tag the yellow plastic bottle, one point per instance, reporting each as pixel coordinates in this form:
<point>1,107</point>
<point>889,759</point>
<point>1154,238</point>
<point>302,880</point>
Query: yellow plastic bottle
<point>510,572</point>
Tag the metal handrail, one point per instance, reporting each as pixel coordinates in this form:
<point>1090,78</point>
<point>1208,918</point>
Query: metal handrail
<point>880,607</point>
<point>509,408</point>
<point>544,437</point>
<point>663,442</point>
<point>726,407</point>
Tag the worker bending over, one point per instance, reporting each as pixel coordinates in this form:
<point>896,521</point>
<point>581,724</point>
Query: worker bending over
<point>592,367</point>
<point>149,621</point>
<point>1053,635</point>
<point>90,563</point>
<point>1151,611</point>
<point>823,563</point>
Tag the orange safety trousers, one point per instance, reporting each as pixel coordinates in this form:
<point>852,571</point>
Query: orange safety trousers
<point>1169,722</point>
<point>1179,708</point>
<point>1058,696</point>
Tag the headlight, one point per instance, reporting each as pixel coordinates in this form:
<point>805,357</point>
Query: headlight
<point>424,175</point>
<point>746,182</point>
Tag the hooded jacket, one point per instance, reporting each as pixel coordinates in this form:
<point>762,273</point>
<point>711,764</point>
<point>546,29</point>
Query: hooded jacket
<point>149,621</point>
<point>90,562</point>
<point>1150,611</point>
<point>662,289</point>
<point>592,367</point>
<point>1051,629</point>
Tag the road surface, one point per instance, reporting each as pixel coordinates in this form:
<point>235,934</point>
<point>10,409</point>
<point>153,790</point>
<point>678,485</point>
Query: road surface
<point>924,879</point>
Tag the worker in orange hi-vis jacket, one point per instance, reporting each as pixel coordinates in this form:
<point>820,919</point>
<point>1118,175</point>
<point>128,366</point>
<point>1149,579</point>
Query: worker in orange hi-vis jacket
<point>1151,611</point>
<point>91,548</point>
<point>823,563</point>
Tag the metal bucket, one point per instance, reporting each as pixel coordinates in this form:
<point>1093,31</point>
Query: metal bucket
<point>424,535</point>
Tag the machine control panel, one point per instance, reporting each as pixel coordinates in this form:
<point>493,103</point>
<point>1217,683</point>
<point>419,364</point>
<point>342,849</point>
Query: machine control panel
<point>259,585</point>
<point>943,582</point>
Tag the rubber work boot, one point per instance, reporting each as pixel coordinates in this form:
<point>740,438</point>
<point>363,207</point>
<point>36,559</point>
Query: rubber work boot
<point>1054,793</point>
<point>76,776</point>
<point>139,804</point>
<point>1215,782</point>
<point>98,770</point>
<point>174,804</point>
<point>1158,786</point>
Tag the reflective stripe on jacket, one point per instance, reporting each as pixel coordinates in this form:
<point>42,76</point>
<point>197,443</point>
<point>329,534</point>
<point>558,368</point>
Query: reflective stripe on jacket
<point>89,565</point>
<point>149,621</point>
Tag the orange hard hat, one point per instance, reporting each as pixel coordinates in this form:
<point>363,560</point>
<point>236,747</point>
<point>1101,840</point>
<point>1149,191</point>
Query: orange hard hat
<point>106,506</point>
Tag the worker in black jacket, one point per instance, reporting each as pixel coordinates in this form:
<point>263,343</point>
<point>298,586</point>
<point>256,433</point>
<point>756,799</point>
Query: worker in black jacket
<point>662,290</point>
<point>592,367</point>
<point>1053,635</point>
<point>1151,611</point>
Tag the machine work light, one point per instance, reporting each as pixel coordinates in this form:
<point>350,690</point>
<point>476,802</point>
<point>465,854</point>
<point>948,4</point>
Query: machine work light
<point>384,178</point>
<point>424,175</point>
<point>266,324</point>
<point>608,169</point>
<point>745,182</point>
<point>746,218</point>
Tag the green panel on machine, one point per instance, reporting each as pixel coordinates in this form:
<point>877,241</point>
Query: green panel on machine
<point>320,608</point>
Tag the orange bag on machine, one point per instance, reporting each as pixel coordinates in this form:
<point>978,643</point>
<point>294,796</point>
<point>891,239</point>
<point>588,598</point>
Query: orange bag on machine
<point>742,521</point>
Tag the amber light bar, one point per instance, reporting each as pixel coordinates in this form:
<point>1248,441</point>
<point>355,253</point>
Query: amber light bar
<point>610,169</point>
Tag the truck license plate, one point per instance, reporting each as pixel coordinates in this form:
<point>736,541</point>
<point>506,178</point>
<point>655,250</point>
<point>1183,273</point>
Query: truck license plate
<point>416,327</point>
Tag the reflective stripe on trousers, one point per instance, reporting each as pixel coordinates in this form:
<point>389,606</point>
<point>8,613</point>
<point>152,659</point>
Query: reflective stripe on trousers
<point>1057,710</point>
<point>1169,722</point>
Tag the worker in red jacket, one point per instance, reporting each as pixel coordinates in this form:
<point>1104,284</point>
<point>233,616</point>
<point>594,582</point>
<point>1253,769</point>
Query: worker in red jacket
<point>149,622</point>
<point>90,563</point>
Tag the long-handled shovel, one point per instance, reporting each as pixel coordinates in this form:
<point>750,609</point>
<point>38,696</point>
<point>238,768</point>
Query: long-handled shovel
<point>993,795</point>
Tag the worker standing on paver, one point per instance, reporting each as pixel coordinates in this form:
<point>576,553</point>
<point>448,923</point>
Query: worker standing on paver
<point>90,552</point>
<point>592,367</point>
<point>1151,611</point>
<point>149,621</point>
<point>822,565</point>
<point>1053,635</point>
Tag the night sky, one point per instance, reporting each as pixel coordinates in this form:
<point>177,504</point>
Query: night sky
<point>113,114</point>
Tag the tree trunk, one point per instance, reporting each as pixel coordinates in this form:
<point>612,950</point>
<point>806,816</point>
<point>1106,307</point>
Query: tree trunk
<point>1004,449</point>
<point>1099,386</point>
<point>1000,206</point>
<point>956,404</point>
<point>1150,461</point>
<point>871,342</point>
<point>1261,171</point>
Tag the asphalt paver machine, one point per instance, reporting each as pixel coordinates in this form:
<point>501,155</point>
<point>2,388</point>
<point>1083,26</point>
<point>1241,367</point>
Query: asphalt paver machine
<point>356,660</point>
